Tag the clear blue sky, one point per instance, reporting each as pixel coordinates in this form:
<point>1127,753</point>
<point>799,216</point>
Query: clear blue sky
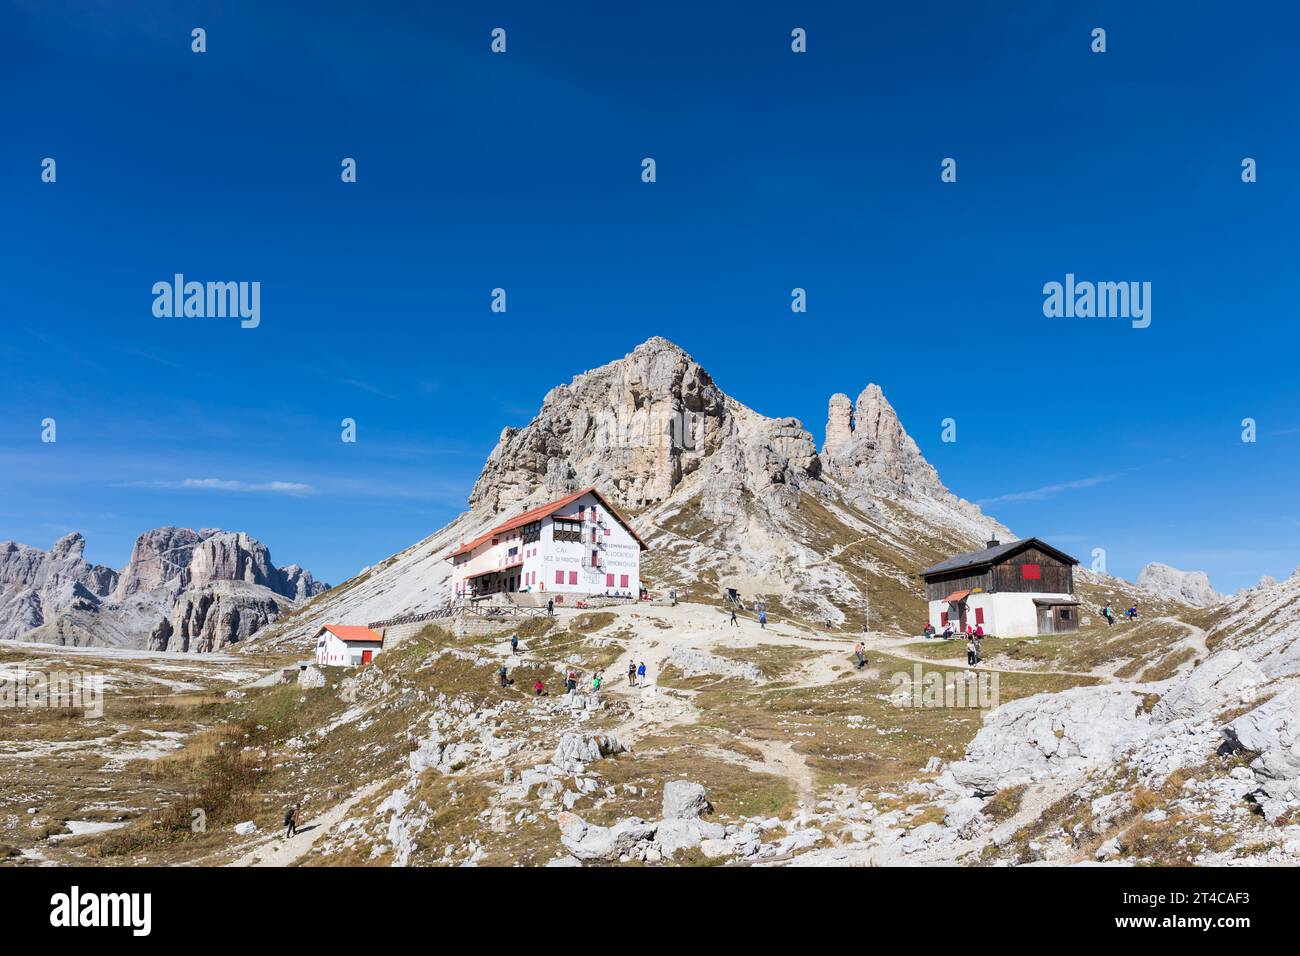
<point>775,170</point>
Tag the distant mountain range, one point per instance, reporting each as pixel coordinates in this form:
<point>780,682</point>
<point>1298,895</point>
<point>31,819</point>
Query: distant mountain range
<point>182,590</point>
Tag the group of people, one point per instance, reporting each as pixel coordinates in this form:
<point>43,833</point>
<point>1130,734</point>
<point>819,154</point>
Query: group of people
<point>976,632</point>
<point>1109,614</point>
<point>762,617</point>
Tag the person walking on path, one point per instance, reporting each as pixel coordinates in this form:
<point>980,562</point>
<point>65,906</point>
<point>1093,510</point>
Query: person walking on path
<point>640,673</point>
<point>762,619</point>
<point>1109,615</point>
<point>571,680</point>
<point>502,674</point>
<point>291,822</point>
<point>733,618</point>
<point>970,652</point>
<point>550,607</point>
<point>860,654</point>
<point>631,673</point>
<point>514,643</point>
<point>596,680</point>
<point>539,688</point>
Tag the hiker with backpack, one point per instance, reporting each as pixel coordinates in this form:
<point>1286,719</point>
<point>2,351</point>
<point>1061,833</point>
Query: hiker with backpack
<point>502,675</point>
<point>733,618</point>
<point>631,673</point>
<point>762,619</point>
<point>1109,615</point>
<point>971,652</point>
<point>860,654</point>
<point>640,673</point>
<point>291,822</point>
<point>514,643</point>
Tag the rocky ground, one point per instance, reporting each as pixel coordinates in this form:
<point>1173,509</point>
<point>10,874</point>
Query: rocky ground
<point>745,746</point>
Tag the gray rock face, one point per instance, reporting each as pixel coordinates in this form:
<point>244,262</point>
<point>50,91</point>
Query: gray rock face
<point>177,559</point>
<point>576,749</point>
<point>37,585</point>
<point>684,800</point>
<point>217,614</point>
<point>589,842</point>
<point>182,590</point>
<point>1272,730</point>
<point>1189,587</point>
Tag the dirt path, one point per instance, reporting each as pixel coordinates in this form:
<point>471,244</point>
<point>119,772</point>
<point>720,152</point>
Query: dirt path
<point>275,851</point>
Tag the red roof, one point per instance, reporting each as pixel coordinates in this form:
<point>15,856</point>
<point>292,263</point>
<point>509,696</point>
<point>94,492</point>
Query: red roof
<point>352,633</point>
<point>958,596</point>
<point>537,514</point>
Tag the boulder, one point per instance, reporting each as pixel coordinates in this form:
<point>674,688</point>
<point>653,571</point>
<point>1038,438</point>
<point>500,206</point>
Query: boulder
<point>684,800</point>
<point>587,842</point>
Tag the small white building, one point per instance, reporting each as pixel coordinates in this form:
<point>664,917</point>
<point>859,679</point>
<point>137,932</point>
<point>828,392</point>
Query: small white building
<point>575,545</point>
<point>1018,589</point>
<point>346,645</point>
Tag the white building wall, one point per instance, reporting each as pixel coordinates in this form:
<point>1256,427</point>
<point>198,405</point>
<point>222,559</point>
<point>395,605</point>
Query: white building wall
<point>1006,613</point>
<point>339,653</point>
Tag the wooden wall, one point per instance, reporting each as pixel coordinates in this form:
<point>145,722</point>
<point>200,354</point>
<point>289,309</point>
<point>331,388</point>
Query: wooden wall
<point>1057,577</point>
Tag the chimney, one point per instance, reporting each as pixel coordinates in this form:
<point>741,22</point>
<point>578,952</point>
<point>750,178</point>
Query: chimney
<point>993,542</point>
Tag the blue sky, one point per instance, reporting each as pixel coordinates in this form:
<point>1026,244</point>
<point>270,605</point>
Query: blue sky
<point>775,170</point>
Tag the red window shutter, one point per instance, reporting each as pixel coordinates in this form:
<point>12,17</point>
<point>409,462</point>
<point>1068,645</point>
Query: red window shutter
<point>943,617</point>
<point>609,580</point>
<point>573,577</point>
<point>979,615</point>
<point>1031,572</point>
<point>622,580</point>
<point>559,577</point>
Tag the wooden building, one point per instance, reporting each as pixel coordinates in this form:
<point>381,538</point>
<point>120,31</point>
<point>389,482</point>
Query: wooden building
<point>1017,589</point>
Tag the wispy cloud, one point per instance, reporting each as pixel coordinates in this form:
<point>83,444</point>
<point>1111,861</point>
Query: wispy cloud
<point>1051,491</point>
<point>296,488</point>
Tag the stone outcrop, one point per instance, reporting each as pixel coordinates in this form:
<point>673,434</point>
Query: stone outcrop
<point>214,615</point>
<point>1189,587</point>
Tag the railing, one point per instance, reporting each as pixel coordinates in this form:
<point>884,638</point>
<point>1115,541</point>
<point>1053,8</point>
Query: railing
<point>462,610</point>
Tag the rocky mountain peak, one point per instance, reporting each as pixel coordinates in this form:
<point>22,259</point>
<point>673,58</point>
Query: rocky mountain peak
<point>866,447</point>
<point>1190,587</point>
<point>70,546</point>
<point>635,427</point>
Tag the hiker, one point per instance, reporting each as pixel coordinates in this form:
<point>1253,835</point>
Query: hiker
<point>970,652</point>
<point>979,631</point>
<point>571,680</point>
<point>539,688</point>
<point>1109,615</point>
<point>762,618</point>
<point>979,652</point>
<point>631,673</point>
<point>1132,613</point>
<point>947,632</point>
<point>502,674</point>
<point>550,607</point>
<point>640,673</point>
<point>514,643</point>
<point>859,654</point>
<point>596,680</point>
<point>929,630</point>
<point>733,618</point>
<point>291,822</point>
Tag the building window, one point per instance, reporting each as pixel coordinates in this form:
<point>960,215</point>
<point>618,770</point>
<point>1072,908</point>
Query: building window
<point>943,617</point>
<point>609,580</point>
<point>573,577</point>
<point>979,615</point>
<point>1031,572</point>
<point>559,577</point>
<point>622,580</point>
<point>1065,614</point>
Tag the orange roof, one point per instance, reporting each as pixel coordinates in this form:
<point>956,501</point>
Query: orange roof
<point>958,596</point>
<point>352,633</point>
<point>536,514</point>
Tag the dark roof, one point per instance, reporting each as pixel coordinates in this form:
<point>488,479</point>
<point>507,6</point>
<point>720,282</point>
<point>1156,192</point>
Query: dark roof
<point>976,559</point>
